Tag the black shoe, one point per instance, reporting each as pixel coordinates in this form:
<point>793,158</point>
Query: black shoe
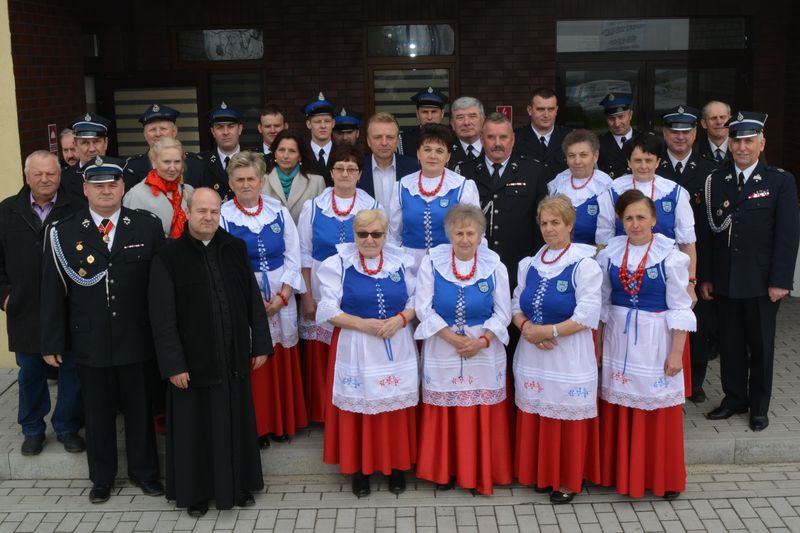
<point>32,445</point>
<point>245,499</point>
<point>543,490</point>
<point>446,486</point>
<point>557,497</point>
<point>198,510</point>
<point>722,412</point>
<point>671,494</point>
<point>759,423</point>
<point>100,494</point>
<point>279,438</point>
<point>698,395</point>
<point>360,485</point>
<point>72,442</point>
<point>397,482</point>
<point>263,442</point>
<point>150,488</point>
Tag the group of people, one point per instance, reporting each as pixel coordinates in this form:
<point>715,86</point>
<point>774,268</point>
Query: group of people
<point>530,304</point>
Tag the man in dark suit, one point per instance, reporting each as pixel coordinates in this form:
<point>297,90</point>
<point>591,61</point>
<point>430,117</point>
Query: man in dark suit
<point>466,119</point>
<point>510,188</point>
<point>271,121</point>
<point>748,265</point>
<point>688,169</point>
<point>94,305</point>
<point>226,128</point>
<point>160,121</point>
<point>542,140</point>
<point>430,110</point>
<point>619,115</point>
<point>384,166</point>
<point>91,140</point>
<point>22,221</point>
<point>319,121</point>
<point>714,144</point>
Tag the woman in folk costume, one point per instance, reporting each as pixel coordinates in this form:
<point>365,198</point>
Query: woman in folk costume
<point>463,304</point>
<point>583,183</point>
<point>422,199</point>
<point>325,222</point>
<point>674,216</point>
<point>273,246</point>
<point>556,305</point>
<point>373,376</point>
<point>163,192</point>
<point>645,319</point>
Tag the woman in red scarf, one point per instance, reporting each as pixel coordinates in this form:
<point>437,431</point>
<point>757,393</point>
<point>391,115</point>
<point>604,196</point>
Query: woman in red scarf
<point>163,192</point>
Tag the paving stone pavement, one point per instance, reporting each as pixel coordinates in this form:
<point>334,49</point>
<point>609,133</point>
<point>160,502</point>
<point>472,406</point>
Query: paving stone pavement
<point>718,498</point>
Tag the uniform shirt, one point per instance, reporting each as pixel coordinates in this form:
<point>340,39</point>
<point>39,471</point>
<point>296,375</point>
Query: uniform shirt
<point>546,136</point>
<point>714,147</point>
<point>747,171</point>
<point>315,148</point>
<point>619,138</point>
<point>98,219</point>
<point>223,155</point>
<point>476,147</point>
<point>265,149</point>
<point>490,167</point>
<point>683,161</point>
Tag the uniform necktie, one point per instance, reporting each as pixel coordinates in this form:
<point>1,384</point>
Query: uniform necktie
<point>741,181</point>
<point>321,157</point>
<point>543,141</point>
<point>105,228</point>
<point>718,154</point>
<point>622,142</point>
<point>496,173</point>
<point>679,168</point>
<point>227,160</point>
<point>470,152</point>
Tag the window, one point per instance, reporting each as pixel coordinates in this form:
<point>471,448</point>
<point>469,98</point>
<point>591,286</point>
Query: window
<point>239,44</point>
<point>411,40</point>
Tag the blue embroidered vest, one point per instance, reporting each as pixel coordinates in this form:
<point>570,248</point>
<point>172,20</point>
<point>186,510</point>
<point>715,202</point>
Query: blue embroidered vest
<point>549,300</point>
<point>477,302</point>
<point>367,297</point>
<point>586,222</point>
<point>265,249</point>
<point>423,222</point>
<point>327,232</point>
<point>665,213</point>
<point>652,295</point>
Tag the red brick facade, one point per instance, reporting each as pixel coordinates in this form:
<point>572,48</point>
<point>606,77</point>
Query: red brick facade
<point>504,49</point>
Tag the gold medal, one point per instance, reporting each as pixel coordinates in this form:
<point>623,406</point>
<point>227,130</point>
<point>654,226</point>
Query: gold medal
<point>79,246</point>
<point>726,203</point>
<point>90,259</point>
<point>106,238</point>
<point>82,273</point>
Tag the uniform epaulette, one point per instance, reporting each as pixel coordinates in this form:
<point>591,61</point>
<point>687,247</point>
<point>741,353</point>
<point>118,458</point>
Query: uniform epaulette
<point>194,155</point>
<point>776,168</point>
<point>60,220</point>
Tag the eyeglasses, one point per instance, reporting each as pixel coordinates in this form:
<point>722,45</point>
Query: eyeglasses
<point>346,170</point>
<point>374,234</point>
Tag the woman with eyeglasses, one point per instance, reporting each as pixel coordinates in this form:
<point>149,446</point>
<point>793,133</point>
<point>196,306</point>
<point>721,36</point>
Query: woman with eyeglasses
<point>373,378</point>
<point>422,199</point>
<point>644,321</point>
<point>464,307</point>
<point>325,222</point>
<point>267,228</point>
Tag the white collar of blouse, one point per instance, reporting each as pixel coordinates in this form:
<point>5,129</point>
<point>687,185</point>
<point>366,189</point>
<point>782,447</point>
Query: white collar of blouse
<point>663,186</point>
<point>394,258</point>
<point>363,201</point>
<point>662,247</point>
<point>575,253</point>
<point>561,184</point>
<point>451,181</point>
<point>230,214</point>
<point>441,259</point>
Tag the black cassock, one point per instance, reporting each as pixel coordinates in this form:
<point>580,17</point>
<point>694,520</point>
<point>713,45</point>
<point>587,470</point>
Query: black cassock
<point>212,444</point>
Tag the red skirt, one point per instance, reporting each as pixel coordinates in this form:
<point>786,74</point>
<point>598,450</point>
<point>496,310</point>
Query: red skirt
<point>557,453</point>
<point>278,393</point>
<point>642,450</point>
<point>472,444</point>
<point>315,365</point>
<point>687,369</point>
<point>367,443</point>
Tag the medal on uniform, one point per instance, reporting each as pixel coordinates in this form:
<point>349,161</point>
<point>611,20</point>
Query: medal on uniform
<point>126,220</point>
<point>79,246</point>
<point>726,204</point>
<point>719,212</point>
<point>757,178</point>
<point>106,238</point>
<point>90,259</point>
<point>85,223</point>
<point>82,273</point>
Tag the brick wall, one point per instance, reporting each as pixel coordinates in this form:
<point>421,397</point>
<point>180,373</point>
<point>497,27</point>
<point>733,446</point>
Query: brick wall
<point>48,68</point>
<point>506,48</point>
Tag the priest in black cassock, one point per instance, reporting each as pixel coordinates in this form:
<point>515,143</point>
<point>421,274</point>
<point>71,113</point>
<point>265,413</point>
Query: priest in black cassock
<point>210,328</point>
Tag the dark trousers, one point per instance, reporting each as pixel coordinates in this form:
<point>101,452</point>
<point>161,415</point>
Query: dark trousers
<point>700,341</point>
<point>34,396</point>
<point>747,346</point>
<point>105,390</point>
